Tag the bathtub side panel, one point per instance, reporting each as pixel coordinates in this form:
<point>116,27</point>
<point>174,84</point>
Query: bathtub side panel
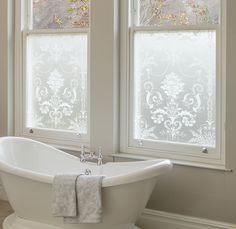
<point>32,200</point>
<point>127,201</point>
<point>29,199</point>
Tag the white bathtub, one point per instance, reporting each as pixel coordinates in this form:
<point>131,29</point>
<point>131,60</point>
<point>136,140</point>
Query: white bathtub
<point>27,168</point>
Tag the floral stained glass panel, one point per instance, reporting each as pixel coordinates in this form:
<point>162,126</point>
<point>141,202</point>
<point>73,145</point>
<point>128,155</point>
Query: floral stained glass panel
<point>174,92</point>
<point>60,14</point>
<point>57,82</point>
<point>178,12</point>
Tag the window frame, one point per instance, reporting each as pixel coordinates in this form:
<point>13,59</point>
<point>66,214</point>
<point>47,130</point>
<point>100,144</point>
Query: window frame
<point>132,147</point>
<point>59,138</point>
<point>103,98</point>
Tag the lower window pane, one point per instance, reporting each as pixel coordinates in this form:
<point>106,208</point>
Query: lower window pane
<point>175,87</point>
<point>56,92</point>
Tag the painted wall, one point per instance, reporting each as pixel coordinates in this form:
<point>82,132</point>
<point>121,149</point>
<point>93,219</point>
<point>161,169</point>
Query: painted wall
<point>197,192</point>
<point>6,68</point>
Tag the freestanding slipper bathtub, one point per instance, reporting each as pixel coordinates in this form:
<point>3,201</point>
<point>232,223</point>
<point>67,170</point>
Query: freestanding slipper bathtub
<point>27,168</point>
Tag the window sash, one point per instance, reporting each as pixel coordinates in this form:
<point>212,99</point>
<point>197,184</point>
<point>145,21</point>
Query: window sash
<point>40,133</point>
<point>177,152</point>
<point>181,148</point>
<point>63,139</point>
<point>48,133</point>
<point>28,7</point>
<point>134,17</point>
<point>105,115</point>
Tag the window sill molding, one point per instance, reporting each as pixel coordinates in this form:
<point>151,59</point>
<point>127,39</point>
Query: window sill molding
<point>174,161</point>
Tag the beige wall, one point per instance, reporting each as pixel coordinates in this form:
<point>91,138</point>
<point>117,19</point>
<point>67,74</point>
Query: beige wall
<point>3,68</point>
<point>104,76</point>
<point>197,192</point>
<point>6,68</point>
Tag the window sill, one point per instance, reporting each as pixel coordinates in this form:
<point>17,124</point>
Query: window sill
<point>175,162</point>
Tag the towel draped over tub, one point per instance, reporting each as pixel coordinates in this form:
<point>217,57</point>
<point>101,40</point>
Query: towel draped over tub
<point>77,198</point>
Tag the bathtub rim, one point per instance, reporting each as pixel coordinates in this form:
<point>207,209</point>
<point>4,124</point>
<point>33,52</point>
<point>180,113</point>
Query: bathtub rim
<point>159,166</point>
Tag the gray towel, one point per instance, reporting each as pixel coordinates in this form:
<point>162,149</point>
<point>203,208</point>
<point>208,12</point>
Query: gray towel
<point>77,198</point>
<point>89,200</point>
<point>64,196</point>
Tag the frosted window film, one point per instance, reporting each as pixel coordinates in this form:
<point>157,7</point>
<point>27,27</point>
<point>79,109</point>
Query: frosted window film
<point>57,82</point>
<point>174,87</point>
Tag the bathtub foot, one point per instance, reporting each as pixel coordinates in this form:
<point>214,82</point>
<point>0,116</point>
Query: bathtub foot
<point>14,222</point>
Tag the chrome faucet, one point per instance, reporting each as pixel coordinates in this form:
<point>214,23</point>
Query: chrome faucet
<point>100,156</point>
<point>89,156</point>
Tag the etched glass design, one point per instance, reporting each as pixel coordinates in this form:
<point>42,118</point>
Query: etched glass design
<point>57,82</point>
<point>175,87</point>
<point>178,12</point>
<point>60,14</point>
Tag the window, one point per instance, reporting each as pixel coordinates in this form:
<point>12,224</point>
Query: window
<point>66,72</point>
<point>55,77</point>
<point>175,80</point>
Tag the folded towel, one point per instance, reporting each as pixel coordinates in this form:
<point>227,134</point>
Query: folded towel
<point>64,196</point>
<point>89,200</point>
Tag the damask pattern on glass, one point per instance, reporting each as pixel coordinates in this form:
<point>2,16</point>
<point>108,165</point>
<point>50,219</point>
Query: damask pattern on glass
<point>178,12</point>
<point>60,14</point>
<point>174,92</point>
<point>57,82</point>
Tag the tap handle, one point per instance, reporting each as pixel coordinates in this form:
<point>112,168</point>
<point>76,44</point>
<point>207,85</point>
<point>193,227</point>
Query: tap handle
<point>91,154</point>
<point>100,152</point>
<point>82,154</point>
<point>82,149</point>
<point>100,156</point>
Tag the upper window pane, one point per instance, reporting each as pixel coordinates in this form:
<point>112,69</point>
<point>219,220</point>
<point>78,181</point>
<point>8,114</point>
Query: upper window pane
<point>177,12</point>
<point>60,14</point>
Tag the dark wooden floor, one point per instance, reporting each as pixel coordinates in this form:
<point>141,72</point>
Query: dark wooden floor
<point>5,210</point>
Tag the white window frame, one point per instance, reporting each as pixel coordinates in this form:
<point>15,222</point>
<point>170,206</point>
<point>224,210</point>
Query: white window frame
<point>164,150</point>
<point>62,139</point>
<point>103,117</point>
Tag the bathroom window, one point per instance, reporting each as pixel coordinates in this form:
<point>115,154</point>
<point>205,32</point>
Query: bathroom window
<point>174,81</point>
<point>55,60</point>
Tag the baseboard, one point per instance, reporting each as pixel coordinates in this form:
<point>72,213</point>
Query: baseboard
<point>152,219</point>
<point>3,195</point>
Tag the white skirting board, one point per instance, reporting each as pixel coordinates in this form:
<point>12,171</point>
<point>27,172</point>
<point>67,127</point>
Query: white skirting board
<point>152,219</point>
